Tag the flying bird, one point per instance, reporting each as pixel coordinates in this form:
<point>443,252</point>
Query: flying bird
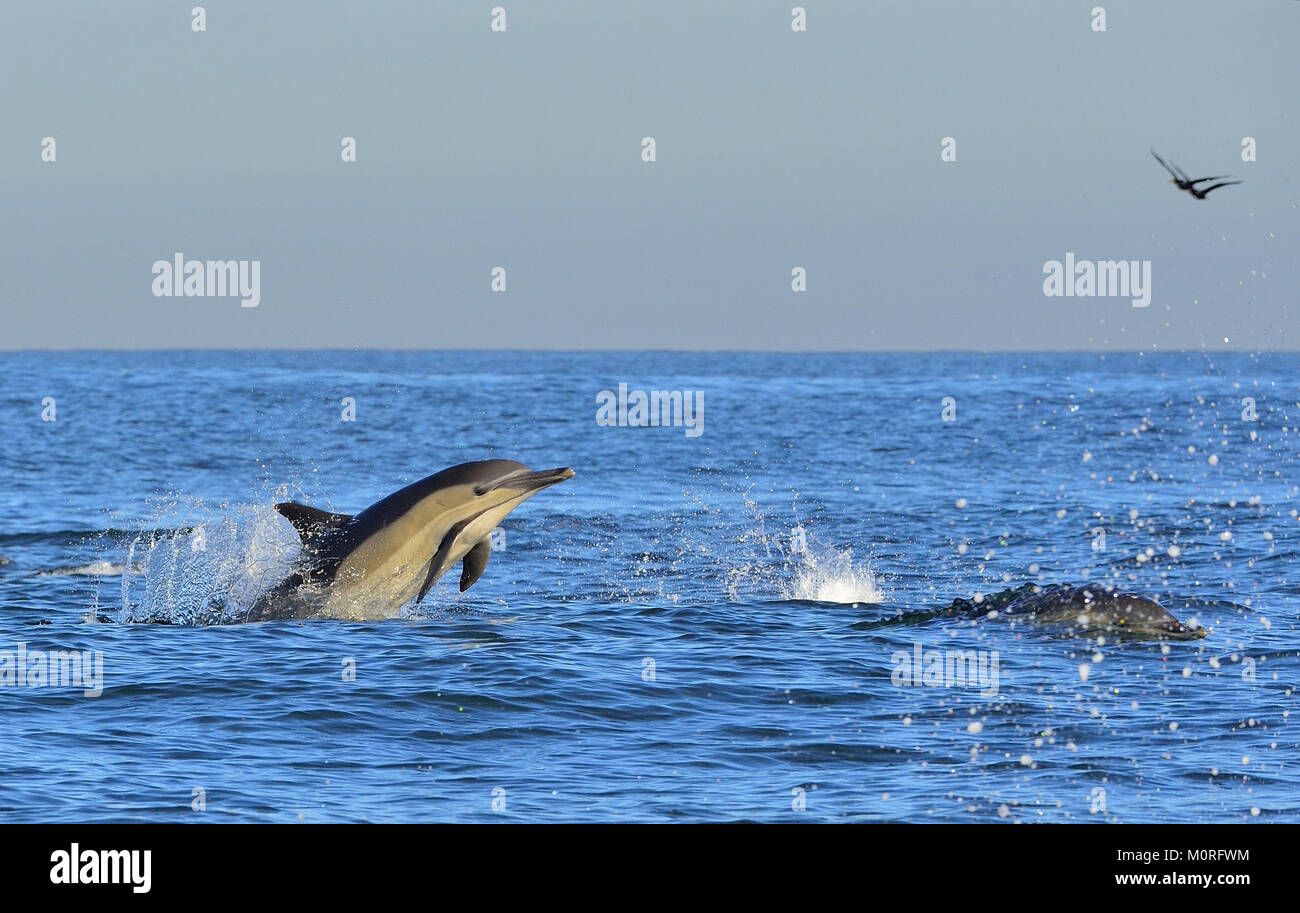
<point>1183,182</point>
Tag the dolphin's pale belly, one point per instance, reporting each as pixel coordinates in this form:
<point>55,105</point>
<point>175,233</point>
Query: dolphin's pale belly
<point>369,598</point>
<point>375,583</point>
<point>377,579</point>
<point>371,584</point>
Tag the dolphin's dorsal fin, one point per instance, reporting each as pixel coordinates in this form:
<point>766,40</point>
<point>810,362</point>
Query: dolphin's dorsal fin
<point>310,521</point>
<point>475,563</point>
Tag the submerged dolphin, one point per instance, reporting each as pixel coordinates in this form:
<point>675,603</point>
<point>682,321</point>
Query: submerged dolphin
<point>1083,608</point>
<point>370,565</point>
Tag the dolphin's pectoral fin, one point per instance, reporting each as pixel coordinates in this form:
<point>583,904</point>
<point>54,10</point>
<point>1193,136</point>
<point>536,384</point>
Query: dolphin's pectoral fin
<point>430,579</point>
<point>475,563</point>
<point>309,521</point>
<point>438,563</point>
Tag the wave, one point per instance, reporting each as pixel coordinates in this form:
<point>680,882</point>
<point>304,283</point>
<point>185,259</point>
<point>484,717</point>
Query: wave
<point>94,569</point>
<point>70,535</point>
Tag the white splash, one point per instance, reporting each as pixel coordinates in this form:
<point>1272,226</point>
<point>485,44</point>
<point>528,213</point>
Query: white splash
<point>826,574</point>
<point>794,564</point>
<point>209,573</point>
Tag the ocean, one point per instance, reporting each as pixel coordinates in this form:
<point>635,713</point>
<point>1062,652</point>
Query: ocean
<point>735,619</point>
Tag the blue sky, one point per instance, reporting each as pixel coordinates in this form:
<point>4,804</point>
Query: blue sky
<point>522,149</point>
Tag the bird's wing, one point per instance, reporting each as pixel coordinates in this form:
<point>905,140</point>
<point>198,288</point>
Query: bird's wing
<point>1166,166</point>
<point>1217,186</point>
<point>1202,180</point>
<point>1182,175</point>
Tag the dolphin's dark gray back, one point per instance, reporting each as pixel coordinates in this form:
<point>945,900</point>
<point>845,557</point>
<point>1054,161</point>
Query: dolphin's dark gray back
<point>1056,602</point>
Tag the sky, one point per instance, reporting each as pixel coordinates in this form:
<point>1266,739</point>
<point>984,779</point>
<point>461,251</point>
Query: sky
<point>774,149</point>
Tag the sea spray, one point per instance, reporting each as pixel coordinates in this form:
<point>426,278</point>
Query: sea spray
<point>823,573</point>
<point>798,565</point>
<point>209,573</point>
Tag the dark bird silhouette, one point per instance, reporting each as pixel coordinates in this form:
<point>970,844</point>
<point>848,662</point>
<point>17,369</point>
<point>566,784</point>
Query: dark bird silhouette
<point>1200,193</point>
<point>1183,182</point>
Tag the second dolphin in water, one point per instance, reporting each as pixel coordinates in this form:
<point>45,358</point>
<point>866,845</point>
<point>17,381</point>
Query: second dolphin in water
<point>368,566</point>
<point>1083,608</point>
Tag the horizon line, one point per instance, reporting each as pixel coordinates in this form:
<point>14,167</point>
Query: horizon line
<point>595,351</point>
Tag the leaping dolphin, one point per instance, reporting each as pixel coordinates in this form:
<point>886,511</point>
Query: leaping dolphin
<point>368,566</point>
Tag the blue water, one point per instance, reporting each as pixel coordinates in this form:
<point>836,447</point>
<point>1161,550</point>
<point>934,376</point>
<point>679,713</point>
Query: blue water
<point>687,630</point>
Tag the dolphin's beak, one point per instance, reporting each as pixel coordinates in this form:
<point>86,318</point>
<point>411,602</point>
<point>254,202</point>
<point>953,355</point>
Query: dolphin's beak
<point>527,480</point>
<point>1187,631</point>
